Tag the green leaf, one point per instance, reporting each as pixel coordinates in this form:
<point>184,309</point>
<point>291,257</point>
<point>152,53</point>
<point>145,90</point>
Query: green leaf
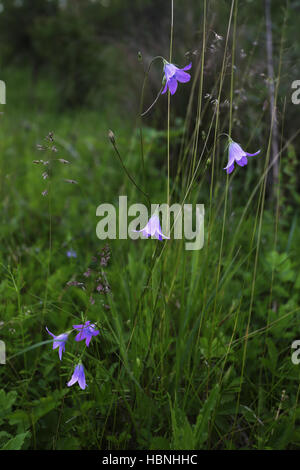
<point>17,442</point>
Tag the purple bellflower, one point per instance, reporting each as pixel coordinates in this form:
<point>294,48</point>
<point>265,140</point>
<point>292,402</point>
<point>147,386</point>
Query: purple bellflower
<point>173,75</point>
<point>86,331</point>
<point>78,376</point>
<point>153,229</point>
<point>59,342</point>
<point>238,155</point>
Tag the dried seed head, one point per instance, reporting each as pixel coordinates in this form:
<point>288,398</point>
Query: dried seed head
<point>40,147</point>
<point>50,136</point>
<point>111,136</point>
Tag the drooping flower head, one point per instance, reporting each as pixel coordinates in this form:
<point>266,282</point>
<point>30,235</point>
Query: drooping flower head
<point>153,228</point>
<point>59,342</point>
<point>86,331</point>
<point>238,155</point>
<point>173,75</point>
<point>78,376</point>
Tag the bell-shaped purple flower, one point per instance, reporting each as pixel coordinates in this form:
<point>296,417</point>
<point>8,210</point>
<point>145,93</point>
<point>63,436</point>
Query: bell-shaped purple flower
<point>173,75</point>
<point>153,229</point>
<point>86,331</point>
<point>238,155</point>
<point>59,342</point>
<point>78,376</point>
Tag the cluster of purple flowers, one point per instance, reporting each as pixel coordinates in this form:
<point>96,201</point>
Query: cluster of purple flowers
<point>84,332</point>
<point>95,276</point>
<point>173,75</point>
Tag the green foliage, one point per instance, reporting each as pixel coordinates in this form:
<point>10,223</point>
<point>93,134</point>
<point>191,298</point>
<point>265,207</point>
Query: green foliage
<point>10,440</point>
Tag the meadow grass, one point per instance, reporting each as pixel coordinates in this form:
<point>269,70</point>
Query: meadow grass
<point>194,350</point>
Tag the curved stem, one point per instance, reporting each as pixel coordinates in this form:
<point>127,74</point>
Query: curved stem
<point>155,101</point>
<point>128,174</point>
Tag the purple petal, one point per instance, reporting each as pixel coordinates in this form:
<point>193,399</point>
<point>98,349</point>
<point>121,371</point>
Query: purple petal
<point>72,381</point>
<point>74,378</point>
<point>53,336</point>
<point>162,235</point>
<point>170,71</point>
<point>187,67</point>
<point>81,378</point>
<point>252,154</point>
<point>172,83</point>
<point>242,162</point>
<point>146,233</point>
<point>235,152</point>
<point>80,336</point>
<point>230,169</point>
<point>165,89</point>
<point>56,344</point>
<point>61,350</point>
<point>182,76</point>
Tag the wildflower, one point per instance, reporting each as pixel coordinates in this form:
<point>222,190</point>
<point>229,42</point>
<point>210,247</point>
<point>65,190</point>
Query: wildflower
<point>86,331</point>
<point>238,155</point>
<point>59,342</point>
<point>71,254</point>
<point>173,75</point>
<point>78,376</point>
<point>153,229</point>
